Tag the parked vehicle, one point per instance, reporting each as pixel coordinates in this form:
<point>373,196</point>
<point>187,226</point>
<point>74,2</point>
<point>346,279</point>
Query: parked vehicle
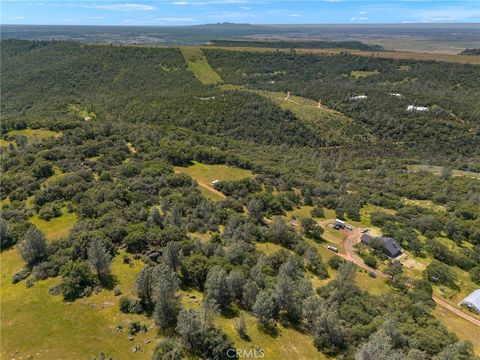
<point>332,248</point>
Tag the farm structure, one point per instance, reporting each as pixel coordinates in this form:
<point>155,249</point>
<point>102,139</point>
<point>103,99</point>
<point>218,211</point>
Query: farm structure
<point>358,97</point>
<point>472,301</point>
<point>416,108</point>
<point>388,245</point>
<point>339,224</point>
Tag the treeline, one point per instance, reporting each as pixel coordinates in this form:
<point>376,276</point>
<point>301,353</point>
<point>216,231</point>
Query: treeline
<point>289,44</point>
<point>470,52</point>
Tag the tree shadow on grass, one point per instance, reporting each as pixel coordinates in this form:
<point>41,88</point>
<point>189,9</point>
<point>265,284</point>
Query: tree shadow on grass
<point>269,329</point>
<point>110,282</point>
<point>230,313</point>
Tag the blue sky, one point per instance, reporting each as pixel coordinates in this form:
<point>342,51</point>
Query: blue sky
<point>190,12</point>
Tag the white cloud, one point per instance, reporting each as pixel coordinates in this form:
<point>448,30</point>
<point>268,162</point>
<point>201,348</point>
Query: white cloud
<point>363,13</point>
<point>18,17</point>
<point>294,15</point>
<point>181,3</point>
<point>358,18</point>
<point>245,8</point>
<point>126,7</point>
<point>175,19</point>
<point>449,14</point>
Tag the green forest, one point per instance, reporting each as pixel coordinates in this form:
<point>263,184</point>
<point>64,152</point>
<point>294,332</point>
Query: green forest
<point>94,138</point>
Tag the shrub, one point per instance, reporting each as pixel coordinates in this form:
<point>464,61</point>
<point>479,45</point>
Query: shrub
<point>370,260</point>
<point>77,280</point>
<point>50,211</point>
<point>30,282</point>
<point>335,262</point>
<point>128,306</point>
<point>43,271</point>
<point>20,275</point>
<point>134,327</point>
<point>168,349</point>
<point>317,212</point>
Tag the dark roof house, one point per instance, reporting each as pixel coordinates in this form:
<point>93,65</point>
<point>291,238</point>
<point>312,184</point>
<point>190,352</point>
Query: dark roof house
<point>390,246</point>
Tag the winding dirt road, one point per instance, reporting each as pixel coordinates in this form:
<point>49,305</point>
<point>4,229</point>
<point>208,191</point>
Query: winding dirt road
<point>353,237</point>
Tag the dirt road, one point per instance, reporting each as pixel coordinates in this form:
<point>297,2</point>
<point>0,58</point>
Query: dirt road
<point>353,237</point>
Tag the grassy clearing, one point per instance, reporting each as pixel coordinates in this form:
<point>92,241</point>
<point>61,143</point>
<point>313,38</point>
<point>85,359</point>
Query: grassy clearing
<point>35,135</point>
<point>58,330</point>
<point>198,64</point>
<point>465,330</point>
<point>82,111</point>
<point>207,173</point>
<point>131,148</point>
<point>334,127</point>
<point>288,344</point>
<point>5,143</point>
<point>361,74</point>
<point>404,55</point>
<point>426,204</point>
<point>55,228</point>
<point>210,195</point>
<point>270,248</point>
<point>438,170</point>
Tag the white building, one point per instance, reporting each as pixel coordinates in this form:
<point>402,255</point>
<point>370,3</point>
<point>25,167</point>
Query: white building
<point>472,301</point>
<point>358,97</point>
<point>396,94</point>
<point>339,224</point>
<point>215,182</point>
<point>416,108</point>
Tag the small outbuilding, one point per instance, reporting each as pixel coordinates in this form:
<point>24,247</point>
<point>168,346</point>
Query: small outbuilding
<point>215,182</point>
<point>358,97</point>
<point>472,301</point>
<point>390,246</point>
<point>416,108</point>
<point>339,224</point>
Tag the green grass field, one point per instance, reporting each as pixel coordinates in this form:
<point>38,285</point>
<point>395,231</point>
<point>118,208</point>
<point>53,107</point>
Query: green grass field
<point>361,74</point>
<point>35,135</point>
<point>288,344</point>
<point>426,204</point>
<point>207,173</point>
<point>198,64</point>
<point>5,143</point>
<point>465,330</point>
<point>55,228</point>
<point>37,325</point>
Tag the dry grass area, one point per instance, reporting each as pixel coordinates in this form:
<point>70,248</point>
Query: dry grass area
<point>35,135</point>
<point>438,170</point>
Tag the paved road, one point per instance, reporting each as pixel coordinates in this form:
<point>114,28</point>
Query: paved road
<point>353,237</point>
